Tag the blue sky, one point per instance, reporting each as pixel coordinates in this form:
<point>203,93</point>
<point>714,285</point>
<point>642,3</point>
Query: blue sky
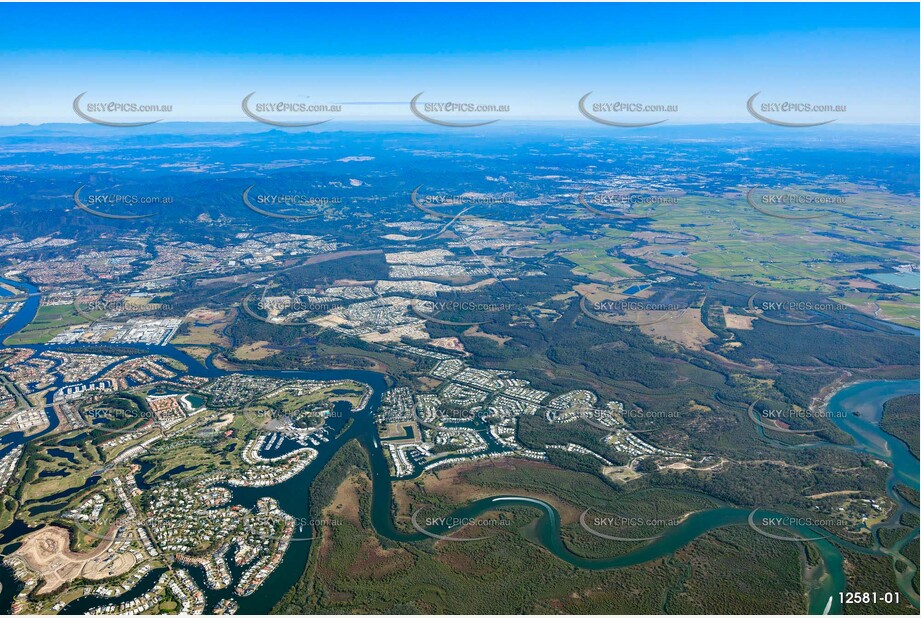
<point>538,59</point>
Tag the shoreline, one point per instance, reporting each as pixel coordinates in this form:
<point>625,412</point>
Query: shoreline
<point>819,402</point>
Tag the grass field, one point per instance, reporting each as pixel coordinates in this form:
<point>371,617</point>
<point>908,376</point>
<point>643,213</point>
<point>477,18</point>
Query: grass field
<point>48,322</point>
<point>341,391</point>
<point>55,473</point>
<point>204,327</point>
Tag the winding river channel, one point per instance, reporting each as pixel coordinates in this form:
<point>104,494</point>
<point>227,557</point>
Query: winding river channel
<point>823,583</point>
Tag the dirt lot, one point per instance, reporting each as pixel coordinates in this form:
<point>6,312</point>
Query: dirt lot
<point>474,331</point>
<point>205,327</point>
<point>685,328</point>
<point>737,322</point>
<point>254,351</point>
<point>47,552</point>
<point>345,502</point>
<point>622,474</point>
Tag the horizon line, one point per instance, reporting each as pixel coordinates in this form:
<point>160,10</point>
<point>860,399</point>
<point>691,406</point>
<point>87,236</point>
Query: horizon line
<point>407,122</point>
